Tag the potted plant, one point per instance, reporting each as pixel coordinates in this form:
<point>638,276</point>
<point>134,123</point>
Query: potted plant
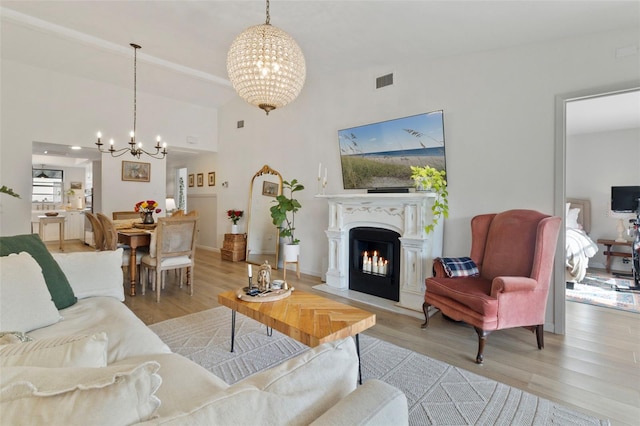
<point>431,179</point>
<point>283,216</point>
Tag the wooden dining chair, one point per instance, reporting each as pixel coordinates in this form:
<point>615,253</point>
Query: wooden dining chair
<point>110,232</point>
<point>98,231</point>
<point>111,241</point>
<point>173,246</point>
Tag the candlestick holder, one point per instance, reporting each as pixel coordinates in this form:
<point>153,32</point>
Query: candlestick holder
<point>324,185</point>
<point>319,185</point>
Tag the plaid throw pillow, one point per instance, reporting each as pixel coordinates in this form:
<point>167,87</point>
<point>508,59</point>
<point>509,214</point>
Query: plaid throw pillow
<point>459,267</point>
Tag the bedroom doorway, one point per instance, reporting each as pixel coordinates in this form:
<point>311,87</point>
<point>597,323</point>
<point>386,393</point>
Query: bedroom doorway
<point>589,134</point>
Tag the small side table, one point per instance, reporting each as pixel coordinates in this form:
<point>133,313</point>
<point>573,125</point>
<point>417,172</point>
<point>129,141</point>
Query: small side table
<point>45,220</point>
<point>609,253</point>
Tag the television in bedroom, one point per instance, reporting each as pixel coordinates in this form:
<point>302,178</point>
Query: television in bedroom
<point>624,199</point>
<point>378,156</point>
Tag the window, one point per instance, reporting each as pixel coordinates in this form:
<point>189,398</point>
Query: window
<point>46,185</point>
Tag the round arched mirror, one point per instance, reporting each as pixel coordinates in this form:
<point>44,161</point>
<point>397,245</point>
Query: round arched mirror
<point>262,235</point>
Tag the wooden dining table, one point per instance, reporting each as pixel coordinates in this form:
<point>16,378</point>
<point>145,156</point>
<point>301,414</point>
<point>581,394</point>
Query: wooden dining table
<point>134,238</point>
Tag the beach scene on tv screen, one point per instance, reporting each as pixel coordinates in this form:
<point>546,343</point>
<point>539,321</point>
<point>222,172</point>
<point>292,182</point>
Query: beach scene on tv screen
<point>379,155</point>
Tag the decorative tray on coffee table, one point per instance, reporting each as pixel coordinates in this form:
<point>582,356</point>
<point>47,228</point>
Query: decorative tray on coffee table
<point>268,296</point>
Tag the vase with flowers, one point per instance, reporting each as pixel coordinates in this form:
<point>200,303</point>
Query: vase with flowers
<point>234,216</point>
<point>146,210</point>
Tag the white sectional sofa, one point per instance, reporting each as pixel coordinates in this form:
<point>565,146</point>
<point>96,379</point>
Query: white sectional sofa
<point>92,361</point>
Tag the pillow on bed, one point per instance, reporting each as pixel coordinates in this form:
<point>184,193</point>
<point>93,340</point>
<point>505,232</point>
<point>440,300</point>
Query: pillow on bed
<point>572,219</point>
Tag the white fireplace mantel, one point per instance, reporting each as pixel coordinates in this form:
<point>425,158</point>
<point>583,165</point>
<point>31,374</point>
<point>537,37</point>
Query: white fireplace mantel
<point>405,213</point>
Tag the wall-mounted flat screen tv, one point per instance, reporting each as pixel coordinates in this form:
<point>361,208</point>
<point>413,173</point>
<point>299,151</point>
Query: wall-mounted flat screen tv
<point>624,199</point>
<point>378,156</point>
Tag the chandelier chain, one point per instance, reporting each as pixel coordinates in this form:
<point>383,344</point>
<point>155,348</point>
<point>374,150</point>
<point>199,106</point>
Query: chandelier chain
<point>135,86</point>
<point>268,16</point>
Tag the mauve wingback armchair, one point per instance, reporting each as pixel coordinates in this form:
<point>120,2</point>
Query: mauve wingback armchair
<point>514,251</point>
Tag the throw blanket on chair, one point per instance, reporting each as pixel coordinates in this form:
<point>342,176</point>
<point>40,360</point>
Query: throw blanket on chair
<point>459,266</point>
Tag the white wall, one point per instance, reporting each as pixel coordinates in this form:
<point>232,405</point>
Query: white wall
<point>499,128</point>
<point>595,163</point>
<point>45,106</point>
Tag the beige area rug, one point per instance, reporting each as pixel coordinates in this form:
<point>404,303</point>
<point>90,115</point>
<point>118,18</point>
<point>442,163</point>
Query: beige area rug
<point>437,393</point>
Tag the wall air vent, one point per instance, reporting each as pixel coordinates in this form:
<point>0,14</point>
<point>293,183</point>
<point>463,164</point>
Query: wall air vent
<point>240,124</point>
<point>385,80</point>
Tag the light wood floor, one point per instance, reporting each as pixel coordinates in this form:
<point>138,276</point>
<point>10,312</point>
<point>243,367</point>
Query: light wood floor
<point>594,368</point>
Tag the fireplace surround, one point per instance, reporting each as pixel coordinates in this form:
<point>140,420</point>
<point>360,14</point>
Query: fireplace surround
<point>403,213</point>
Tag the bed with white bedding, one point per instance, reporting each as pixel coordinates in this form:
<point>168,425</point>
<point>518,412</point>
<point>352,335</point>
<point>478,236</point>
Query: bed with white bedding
<point>579,248</point>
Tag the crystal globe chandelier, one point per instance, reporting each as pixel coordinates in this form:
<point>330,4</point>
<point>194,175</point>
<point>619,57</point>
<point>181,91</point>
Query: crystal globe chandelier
<point>135,148</point>
<point>266,66</point>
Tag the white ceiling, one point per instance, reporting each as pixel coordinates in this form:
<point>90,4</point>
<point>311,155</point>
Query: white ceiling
<point>184,43</point>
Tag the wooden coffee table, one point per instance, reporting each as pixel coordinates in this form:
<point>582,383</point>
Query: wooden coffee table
<point>308,318</point>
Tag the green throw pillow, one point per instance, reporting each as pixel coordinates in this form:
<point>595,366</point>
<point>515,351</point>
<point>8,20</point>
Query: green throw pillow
<point>57,283</point>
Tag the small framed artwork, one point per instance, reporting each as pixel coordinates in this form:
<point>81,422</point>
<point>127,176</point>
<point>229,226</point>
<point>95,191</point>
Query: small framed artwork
<point>212,178</point>
<point>269,189</point>
<point>76,185</point>
<point>200,179</point>
<point>136,172</point>
<point>191,180</point>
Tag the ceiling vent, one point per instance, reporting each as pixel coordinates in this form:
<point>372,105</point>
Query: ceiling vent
<point>385,80</point>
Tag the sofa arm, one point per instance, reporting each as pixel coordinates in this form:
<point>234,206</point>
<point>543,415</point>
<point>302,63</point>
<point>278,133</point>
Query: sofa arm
<point>510,284</point>
<point>373,403</point>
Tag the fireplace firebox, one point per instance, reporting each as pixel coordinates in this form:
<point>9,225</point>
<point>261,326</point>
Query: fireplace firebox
<point>374,262</point>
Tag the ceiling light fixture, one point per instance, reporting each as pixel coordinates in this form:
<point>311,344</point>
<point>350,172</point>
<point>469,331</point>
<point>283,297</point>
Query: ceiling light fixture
<point>266,66</point>
<point>134,149</point>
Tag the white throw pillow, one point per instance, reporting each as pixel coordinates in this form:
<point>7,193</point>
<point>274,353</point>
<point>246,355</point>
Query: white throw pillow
<point>67,351</point>
<point>26,302</point>
<point>93,273</point>
<point>114,395</point>
<point>572,219</point>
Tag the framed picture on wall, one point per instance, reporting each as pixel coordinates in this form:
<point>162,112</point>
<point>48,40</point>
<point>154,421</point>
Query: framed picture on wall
<point>191,180</point>
<point>76,185</point>
<point>269,189</point>
<point>136,172</point>
<point>200,179</point>
<point>212,178</point>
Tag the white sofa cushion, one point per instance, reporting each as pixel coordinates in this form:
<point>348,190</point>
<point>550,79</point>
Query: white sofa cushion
<point>26,302</point>
<point>69,351</point>
<point>128,336</point>
<point>93,273</point>
<point>295,392</point>
<point>183,382</point>
<point>119,395</point>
